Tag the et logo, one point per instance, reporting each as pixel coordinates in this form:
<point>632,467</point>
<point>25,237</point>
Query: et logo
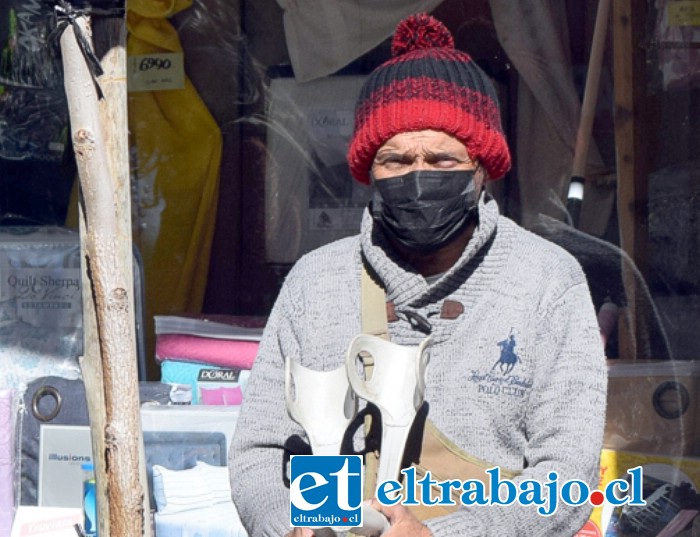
<point>326,490</point>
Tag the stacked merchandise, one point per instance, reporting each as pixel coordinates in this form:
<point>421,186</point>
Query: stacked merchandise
<point>653,422</point>
<point>210,356</point>
<point>40,336</point>
<point>187,449</point>
<point>209,359</point>
<point>44,433</point>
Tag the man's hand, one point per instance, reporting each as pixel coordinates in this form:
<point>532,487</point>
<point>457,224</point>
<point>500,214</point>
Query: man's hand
<point>403,522</point>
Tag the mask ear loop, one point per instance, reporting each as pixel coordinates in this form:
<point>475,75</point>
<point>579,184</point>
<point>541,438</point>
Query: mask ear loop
<point>483,179</point>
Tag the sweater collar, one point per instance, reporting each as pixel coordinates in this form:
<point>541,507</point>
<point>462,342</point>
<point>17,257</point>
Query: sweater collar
<point>403,285</point>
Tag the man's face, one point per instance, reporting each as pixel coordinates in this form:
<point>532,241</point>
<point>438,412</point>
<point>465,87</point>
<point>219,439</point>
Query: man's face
<point>423,150</point>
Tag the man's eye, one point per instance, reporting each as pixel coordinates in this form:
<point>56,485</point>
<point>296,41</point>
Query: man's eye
<point>393,162</point>
<point>446,162</point>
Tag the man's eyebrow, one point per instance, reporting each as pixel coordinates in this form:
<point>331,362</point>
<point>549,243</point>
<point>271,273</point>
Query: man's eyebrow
<point>437,155</point>
<point>395,153</point>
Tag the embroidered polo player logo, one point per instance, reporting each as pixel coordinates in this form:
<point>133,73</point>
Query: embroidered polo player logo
<point>506,362</point>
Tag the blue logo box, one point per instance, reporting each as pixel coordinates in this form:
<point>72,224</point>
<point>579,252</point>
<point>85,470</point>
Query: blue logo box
<point>326,491</point>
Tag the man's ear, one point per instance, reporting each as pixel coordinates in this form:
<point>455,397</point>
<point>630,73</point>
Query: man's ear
<point>483,173</point>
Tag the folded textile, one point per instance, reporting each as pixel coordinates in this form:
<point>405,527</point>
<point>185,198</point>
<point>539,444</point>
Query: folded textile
<point>6,463</point>
<point>184,372</point>
<point>238,327</point>
<point>214,351</point>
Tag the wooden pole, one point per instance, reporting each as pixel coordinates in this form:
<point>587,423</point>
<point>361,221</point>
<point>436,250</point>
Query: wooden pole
<point>631,157</point>
<point>588,107</point>
<point>100,140</point>
<point>590,95</point>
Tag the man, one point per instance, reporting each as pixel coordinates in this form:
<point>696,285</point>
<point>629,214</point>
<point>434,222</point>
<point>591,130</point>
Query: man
<point>428,136</point>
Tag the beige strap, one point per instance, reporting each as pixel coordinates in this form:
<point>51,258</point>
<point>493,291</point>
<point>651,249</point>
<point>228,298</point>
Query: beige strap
<point>373,307</point>
<point>446,461</point>
<point>374,321</point>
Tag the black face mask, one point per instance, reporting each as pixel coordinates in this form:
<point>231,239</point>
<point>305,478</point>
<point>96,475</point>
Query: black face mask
<point>425,210</point>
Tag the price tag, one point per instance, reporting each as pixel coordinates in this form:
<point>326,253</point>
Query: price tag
<point>156,72</point>
<point>684,13</point>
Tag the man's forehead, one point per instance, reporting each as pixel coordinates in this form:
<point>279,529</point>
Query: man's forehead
<point>425,139</point>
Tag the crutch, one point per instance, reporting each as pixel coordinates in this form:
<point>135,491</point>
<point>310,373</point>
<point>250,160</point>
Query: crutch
<point>323,403</point>
<point>396,387</point>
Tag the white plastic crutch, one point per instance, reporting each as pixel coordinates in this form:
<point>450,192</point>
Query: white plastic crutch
<point>322,403</point>
<point>396,387</point>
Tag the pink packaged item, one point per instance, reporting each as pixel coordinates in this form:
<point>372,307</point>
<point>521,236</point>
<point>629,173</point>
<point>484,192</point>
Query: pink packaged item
<point>226,341</point>
<point>221,396</point>
<point>221,352</point>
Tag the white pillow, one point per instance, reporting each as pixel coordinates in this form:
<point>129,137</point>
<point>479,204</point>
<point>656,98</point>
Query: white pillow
<point>180,490</point>
<point>217,479</point>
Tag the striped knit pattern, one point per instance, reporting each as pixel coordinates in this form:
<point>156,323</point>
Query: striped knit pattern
<point>428,85</point>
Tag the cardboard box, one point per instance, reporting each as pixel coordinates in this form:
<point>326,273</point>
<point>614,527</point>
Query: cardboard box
<point>33,521</point>
<point>654,407</point>
<point>310,196</point>
<point>62,451</point>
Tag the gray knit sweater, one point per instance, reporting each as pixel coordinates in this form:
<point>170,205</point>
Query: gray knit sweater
<point>545,413</point>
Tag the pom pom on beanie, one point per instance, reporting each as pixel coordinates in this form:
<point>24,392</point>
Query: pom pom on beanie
<point>420,32</point>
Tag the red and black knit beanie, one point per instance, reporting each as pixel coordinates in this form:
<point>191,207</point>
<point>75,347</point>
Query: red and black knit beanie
<point>428,84</point>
